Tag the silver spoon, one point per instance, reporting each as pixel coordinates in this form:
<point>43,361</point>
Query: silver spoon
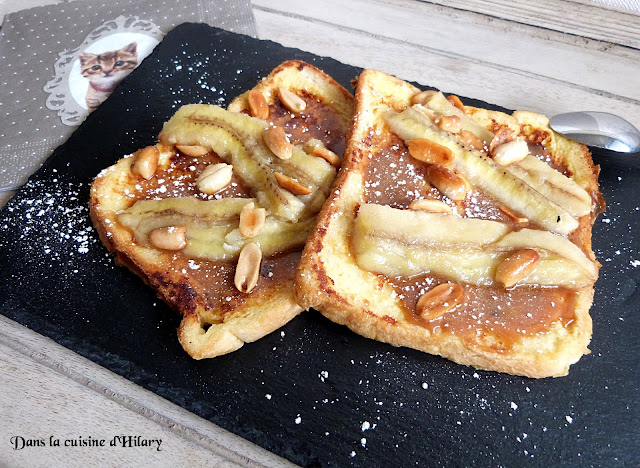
<point>599,129</point>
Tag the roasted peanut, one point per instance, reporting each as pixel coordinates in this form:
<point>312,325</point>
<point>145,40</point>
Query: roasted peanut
<point>193,150</point>
<point>163,139</point>
<point>471,140</point>
<point>455,100</point>
<point>448,182</point>
<point>146,162</point>
<point>326,154</point>
<point>427,151</point>
<point>431,206</point>
<point>169,238</point>
<point>258,106</point>
<point>292,101</point>
<point>251,220</point>
<point>503,134</point>
<point>248,268</point>
<point>439,300</point>
<point>449,123</point>
<point>214,178</point>
<point>291,185</point>
<point>276,140</point>
<point>511,152</point>
<point>516,266</point>
<point>513,215</point>
<point>166,151</point>
<point>422,97</point>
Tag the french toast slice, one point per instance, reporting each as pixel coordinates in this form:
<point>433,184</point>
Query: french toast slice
<point>457,231</point>
<point>214,217</point>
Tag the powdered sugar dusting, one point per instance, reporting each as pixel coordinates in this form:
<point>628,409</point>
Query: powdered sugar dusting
<point>60,222</point>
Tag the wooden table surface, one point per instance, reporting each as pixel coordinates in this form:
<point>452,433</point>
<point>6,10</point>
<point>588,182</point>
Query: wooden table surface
<point>549,56</point>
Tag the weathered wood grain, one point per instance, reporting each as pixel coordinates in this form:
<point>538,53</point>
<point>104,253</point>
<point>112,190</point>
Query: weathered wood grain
<point>581,18</point>
<point>491,82</point>
<point>47,390</point>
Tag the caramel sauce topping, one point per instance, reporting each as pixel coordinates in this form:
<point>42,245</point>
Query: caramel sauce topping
<point>504,315</point>
<point>317,121</point>
<point>214,280</point>
<point>395,179</point>
<point>494,316</point>
<point>211,280</point>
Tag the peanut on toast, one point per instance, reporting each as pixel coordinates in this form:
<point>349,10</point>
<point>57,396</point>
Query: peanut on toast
<point>458,231</point>
<point>214,217</point>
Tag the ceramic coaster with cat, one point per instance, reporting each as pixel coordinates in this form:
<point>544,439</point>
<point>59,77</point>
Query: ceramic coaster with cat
<point>105,70</point>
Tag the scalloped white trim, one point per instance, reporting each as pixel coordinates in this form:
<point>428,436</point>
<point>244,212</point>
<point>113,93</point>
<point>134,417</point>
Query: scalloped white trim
<point>60,97</point>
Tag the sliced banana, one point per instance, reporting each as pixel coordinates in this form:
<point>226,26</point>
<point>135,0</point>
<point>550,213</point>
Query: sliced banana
<point>485,174</point>
<point>554,185</point>
<point>212,226</point>
<point>421,227</point>
<point>405,243</point>
<point>237,139</point>
<point>439,104</point>
<point>563,247</point>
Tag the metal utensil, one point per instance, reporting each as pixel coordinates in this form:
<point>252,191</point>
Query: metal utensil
<point>599,129</point>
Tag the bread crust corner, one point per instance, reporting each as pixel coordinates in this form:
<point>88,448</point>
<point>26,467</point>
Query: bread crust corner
<point>329,280</point>
<point>208,331</point>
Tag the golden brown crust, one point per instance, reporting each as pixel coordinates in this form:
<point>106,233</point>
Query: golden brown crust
<point>206,332</point>
<point>329,280</point>
<point>298,75</point>
<point>259,314</point>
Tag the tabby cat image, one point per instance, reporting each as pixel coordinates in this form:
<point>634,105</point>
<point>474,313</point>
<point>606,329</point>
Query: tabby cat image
<point>104,71</point>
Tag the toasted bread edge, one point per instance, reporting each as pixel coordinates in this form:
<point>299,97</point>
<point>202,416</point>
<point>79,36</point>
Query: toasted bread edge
<point>262,312</point>
<point>327,264</point>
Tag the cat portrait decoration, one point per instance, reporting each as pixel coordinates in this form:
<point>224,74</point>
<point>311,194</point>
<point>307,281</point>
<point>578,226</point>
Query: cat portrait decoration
<point>89,73</point>
<point>105,70</point>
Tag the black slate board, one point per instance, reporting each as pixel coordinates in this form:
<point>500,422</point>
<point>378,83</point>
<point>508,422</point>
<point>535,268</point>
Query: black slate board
<point>312,392</point>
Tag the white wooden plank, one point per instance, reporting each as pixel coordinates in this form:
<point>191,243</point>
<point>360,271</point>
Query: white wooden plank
<point>510,88</point>
<point>578,61</point>
<point>48,390</point>
<point>580,18</point>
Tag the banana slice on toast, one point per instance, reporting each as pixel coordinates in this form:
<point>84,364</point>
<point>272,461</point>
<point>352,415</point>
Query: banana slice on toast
<point>457,231</point>
<point>215,215</point>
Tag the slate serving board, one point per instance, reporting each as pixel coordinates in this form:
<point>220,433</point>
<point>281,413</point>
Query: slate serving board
<point>312,392</point>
